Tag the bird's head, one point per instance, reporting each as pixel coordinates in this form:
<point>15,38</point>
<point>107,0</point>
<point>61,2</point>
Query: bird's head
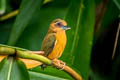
<point>59,24</point>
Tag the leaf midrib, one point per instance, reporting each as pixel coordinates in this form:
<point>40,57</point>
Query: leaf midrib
<point>77,27</point>
<point>10,69</point>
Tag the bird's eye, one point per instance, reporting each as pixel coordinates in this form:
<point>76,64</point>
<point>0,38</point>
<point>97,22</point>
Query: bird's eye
<point>59,24</point>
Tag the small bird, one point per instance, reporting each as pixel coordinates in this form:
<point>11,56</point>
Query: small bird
<point>55,41</point>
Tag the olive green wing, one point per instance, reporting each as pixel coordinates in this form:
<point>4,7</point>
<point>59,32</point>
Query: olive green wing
<point>48,43</point>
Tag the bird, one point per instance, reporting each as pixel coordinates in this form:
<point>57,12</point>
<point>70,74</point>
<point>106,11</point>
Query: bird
<point>55,40</point>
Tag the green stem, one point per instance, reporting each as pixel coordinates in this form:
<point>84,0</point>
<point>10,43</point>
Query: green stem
<point>30,55</point>
<point>9,15</point>
<point>22,53</point>
<point>6,50</point>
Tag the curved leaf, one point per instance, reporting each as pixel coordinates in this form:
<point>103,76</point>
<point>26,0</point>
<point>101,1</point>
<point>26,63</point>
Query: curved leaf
<point>81,35</point>
<point>12,69</point>
<point>2,6</point>
<point>27,9</point>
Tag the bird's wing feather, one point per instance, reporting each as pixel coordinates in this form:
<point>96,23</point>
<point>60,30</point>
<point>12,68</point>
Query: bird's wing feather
<point>48,43</point>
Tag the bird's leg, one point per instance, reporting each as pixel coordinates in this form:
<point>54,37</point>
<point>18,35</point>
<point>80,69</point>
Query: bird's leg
<point>60,63</point>
<point>56,61</point>
<point>63,64</point>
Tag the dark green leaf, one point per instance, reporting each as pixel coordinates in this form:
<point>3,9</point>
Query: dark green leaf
<point>117,2</point>
<point>34,33</point>
<point>81,35</point>
<point>27,9</point>
<point>5,29</point>
<point>102,63</point>
<point>108,17</point>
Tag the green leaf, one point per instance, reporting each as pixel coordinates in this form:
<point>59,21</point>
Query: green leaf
<point>40,76</point>
<point>27,9</point>
<point>108,17</point>
<point>53,72</point>
<point>102,63</point>
<point>117,2</point>
<point>81,35</point>
<point>5,29</point>
<point>12,69</point>
<point>34,33</point>
<point>2,6</point>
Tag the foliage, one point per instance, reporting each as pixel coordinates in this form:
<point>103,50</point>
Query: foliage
<point>84,43</point>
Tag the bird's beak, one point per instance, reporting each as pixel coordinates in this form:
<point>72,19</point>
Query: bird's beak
<point>65,27</point>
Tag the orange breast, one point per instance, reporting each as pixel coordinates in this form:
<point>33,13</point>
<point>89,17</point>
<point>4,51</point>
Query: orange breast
<point>59,45</point>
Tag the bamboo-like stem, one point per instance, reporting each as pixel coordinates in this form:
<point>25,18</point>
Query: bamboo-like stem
<point>14,13</point>
<point>72,73</point>
<point>26,54</point>
<point>21,53</point>
<point>9,15</point>
<point>30,55</point>
<point>69,70</point>
<point>116,41</point>
<point>6,50</point>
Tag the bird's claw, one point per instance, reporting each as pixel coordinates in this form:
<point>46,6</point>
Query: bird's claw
<point>61,64</point>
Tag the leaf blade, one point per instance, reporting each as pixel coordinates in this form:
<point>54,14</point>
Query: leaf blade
<point>23,18</point>
<point>9,67</point>
<point>81,35</point>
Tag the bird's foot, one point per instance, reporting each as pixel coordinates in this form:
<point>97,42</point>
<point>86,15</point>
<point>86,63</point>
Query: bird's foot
<point>60,63</point>
<point>63,65</point>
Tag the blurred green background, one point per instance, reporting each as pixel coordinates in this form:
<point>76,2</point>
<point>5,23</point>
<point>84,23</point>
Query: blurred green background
<point>90,42</point>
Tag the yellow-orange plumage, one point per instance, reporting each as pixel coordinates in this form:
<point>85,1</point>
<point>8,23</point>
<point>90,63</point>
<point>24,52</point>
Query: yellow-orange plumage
<point>59,45</point>
<point>55,41</point>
